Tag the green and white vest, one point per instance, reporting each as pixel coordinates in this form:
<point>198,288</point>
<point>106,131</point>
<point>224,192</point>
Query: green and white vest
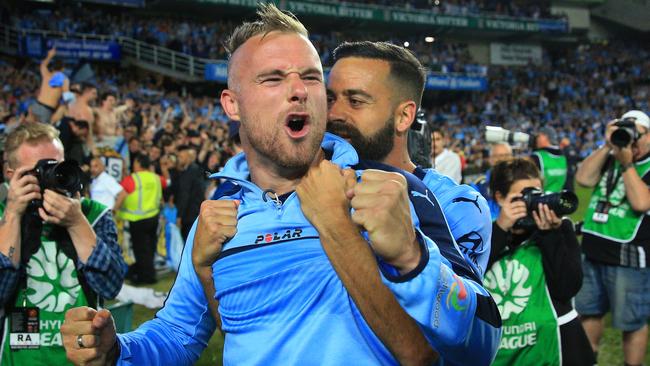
<point>554,170</point>
<point>531,333</point>
<point>53,287</point>
<point>623,222</point>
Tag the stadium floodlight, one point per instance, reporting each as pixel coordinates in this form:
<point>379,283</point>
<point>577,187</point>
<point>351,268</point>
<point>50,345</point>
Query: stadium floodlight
<point>406,44</point>
<point>429,39</point>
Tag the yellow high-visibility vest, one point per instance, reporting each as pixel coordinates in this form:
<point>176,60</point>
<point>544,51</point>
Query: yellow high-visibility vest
<point>144,201</point>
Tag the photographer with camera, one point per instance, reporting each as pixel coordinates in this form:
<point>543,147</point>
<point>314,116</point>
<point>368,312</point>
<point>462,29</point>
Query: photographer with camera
<point>534,270</point>
<point>56,251</point>
<point>617,235</point>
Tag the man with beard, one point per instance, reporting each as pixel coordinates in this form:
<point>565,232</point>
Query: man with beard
<point>374,92</point>
<point>296,283</point>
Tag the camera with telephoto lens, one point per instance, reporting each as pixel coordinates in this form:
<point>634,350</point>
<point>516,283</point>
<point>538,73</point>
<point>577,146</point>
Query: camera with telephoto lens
<point>625,134</point>
<point>494,134</point>
<point>562,203</point>
<point>62,177</point>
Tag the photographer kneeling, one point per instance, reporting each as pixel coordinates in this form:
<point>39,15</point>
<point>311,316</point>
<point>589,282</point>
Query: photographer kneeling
<point>57,251</point>
<point>534,271</point>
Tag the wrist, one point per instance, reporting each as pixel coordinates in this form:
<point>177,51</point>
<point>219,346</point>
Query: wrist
<point>410,259</point>
<point>11,216</point>
<point>626,166</point>
<point>504,224</point>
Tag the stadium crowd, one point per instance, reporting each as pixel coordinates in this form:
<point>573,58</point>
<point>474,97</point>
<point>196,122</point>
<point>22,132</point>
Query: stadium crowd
<point>575,93</point>
<point>205,38</point>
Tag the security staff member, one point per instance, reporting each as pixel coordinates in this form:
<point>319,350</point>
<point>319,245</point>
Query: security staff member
<point>140,209</point>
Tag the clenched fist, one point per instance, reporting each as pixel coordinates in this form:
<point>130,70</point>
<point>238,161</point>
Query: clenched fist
<point>217,224</point>
<point>89,336</point>
<point>381,205</point>
<point>322,193</point>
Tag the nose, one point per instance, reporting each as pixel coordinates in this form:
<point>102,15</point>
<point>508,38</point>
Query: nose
<point>298,90</point>
<point>335,111</point>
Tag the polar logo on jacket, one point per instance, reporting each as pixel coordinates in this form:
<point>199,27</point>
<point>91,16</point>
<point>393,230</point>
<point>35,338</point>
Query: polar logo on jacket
<point>49,271</point>
<point>465,199</point>
<point>280,235</point>
<point>506,281</point>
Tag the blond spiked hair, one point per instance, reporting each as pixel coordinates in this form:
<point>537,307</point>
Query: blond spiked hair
<point>29,133</point>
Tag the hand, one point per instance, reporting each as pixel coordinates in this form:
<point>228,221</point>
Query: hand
<point>381,205</point>
<point>545,218</point>
<point>511,211</point>
<point>60,210</point>
<point>217,224</point>
<point>23,188</point>
<point>608,132</point>
<point>178,222</point>
<point>97,330</point>
<point>322,193</point>
<point>51,53</point>
<point>624,155</point>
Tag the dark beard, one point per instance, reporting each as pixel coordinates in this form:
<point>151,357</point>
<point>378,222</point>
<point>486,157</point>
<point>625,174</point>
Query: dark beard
<point>375,147</point>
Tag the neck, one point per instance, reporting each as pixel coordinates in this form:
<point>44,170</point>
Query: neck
<point>399,156</point>
<point>266,174</point>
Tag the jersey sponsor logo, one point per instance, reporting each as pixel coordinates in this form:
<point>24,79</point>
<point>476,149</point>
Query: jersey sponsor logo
<point>457,295</point>
<point>508,287</point>
<point>49,268</point>
<point>272,237</point>
<point>424,195</point>
<point>465,199</point>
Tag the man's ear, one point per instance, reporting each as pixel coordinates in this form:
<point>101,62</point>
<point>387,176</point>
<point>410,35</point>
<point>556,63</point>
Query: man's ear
<point>9,172</point>
<point>405,114</point>
<point>230,104</point>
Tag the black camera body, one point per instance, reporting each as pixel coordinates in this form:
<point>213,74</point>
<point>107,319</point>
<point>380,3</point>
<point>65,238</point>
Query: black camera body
<point>562,203</point>
<point>63,177</point>
<point>625,134</point>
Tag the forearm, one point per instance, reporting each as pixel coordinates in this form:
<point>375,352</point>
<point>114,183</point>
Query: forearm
<point>356,266</point>
<point>10,237</point>
<point>562,262</point>
<point>588,173</point>
<point>105,269</point>
<point>207,281</point>
<point>636,190</point>
<point>8,279</point>
<point>83,238</point>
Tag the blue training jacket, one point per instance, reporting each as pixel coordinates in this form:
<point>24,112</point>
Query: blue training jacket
<point>467,213</point>
<point>281,301</point>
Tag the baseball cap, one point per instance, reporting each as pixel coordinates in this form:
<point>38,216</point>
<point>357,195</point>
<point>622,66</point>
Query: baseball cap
<point>639,118</point>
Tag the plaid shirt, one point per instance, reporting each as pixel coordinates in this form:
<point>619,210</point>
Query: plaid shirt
<point>104,270</point>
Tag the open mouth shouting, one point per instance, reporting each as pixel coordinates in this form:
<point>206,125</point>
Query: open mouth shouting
<point>297,125</point>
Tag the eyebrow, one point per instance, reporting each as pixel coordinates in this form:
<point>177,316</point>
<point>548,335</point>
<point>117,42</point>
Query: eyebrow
<point>357,92</point>
<point>277,72</point>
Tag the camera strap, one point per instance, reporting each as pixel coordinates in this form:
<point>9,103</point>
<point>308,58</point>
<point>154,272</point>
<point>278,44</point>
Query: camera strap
<point>613,176</point>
